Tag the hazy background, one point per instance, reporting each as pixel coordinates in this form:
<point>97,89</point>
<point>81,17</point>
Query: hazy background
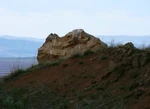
<point>38,18</point>
<point>24,24</point>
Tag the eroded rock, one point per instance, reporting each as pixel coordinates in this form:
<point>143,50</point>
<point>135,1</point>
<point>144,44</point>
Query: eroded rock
<point>74,42</point>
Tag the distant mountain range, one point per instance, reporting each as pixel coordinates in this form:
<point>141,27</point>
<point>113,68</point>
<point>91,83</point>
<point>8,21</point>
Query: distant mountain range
<point>11,46</point>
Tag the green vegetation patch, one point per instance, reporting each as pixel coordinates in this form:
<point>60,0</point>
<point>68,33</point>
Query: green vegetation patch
<point>88,52</point>
<point>32,98</point>
<point>15,74</point>
<point>65,65</point>
<point>103,57</point>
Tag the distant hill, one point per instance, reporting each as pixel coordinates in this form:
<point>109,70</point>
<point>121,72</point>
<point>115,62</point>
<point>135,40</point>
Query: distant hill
<point>11,46</point>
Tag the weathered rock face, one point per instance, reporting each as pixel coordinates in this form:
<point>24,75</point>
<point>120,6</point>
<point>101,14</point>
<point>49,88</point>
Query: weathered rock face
<point>74,42</point>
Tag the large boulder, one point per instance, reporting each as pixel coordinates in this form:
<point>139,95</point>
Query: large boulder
<point>74,42</point>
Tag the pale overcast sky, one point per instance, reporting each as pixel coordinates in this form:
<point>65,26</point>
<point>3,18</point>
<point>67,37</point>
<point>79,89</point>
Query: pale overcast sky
<point>38,18</point>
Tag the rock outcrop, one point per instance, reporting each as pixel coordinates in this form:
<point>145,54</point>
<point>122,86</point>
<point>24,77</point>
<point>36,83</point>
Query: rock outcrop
<point>74,42</point>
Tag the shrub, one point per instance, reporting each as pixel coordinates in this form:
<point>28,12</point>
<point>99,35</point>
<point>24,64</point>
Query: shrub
<point>76,55</point>
<point>103,57</point>
<point>15,74</point>
<point>80,62</point>
<point>46,64</point>
<point>113,44</point>
<point>65,65</point>
<point>88,52</point>
<point>134,74</point>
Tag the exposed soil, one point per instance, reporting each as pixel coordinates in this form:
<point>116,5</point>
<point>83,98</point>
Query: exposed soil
<point>112,76</point>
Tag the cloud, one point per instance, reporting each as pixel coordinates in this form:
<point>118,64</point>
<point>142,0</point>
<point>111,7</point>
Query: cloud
<point>40,24</point>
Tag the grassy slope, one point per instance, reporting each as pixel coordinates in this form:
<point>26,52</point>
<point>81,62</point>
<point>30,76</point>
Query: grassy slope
<point>109,79</point>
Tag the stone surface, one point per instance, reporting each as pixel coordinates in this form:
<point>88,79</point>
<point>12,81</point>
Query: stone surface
<point>135,61</point>
<point>140,59</point>
<point>74,42</point>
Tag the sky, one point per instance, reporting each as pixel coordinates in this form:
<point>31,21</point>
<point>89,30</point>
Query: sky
<point>39,18</point>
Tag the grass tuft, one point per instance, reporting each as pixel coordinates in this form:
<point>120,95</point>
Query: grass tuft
<point>15,74</point>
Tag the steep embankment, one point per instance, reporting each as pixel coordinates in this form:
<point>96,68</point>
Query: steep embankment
<point>113,78</point>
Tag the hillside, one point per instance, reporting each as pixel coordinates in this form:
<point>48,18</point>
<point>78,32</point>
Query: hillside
<point>113,78</point>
